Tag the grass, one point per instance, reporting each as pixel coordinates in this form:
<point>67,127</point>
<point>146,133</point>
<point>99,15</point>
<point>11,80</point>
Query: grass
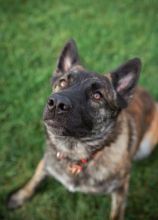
<point>31,36</point>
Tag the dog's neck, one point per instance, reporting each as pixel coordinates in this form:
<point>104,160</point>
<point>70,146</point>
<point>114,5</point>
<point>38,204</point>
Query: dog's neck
<point>83,148</point>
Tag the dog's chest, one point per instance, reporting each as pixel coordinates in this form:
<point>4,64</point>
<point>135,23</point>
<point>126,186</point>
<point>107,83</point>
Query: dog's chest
<point>92,178</point>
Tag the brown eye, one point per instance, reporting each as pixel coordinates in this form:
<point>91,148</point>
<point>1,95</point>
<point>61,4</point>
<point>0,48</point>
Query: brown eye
<point>97,96</point>
<point>63,83</point>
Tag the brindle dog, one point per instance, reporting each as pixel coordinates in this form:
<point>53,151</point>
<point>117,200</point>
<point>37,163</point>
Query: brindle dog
<point>95,125</point>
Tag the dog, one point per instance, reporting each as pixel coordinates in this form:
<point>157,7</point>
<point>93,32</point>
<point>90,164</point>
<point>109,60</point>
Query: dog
<point>95,126</point>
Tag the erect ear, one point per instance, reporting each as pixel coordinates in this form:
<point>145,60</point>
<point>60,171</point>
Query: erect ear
<point>124,80</point>
<point>68,57</point>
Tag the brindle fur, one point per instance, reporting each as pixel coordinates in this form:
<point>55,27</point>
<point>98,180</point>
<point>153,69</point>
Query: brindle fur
<point>123,129</point>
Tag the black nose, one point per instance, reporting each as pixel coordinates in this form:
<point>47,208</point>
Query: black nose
<point>58,103</point>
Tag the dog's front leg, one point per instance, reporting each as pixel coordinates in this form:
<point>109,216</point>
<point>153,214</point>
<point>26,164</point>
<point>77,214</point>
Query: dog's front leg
<point>18,198</point>
<point>119,197</point>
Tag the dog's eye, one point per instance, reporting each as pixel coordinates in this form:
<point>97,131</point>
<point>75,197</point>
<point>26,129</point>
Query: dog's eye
<point>63,83</point>
<point>97,96</point>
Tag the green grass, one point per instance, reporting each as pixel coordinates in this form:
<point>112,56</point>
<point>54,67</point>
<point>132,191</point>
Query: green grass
<point>31,36</point>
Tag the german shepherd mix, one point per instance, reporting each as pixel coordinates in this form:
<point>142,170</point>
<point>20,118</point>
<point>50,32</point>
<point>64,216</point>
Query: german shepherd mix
<point>95,126</point>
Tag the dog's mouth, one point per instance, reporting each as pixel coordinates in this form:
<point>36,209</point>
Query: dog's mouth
<point>60,128</point>
<point>52,123</point>
<point>55,127</point>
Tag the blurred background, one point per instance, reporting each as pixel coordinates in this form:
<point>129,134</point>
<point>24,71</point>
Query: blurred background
<point>32,34</point>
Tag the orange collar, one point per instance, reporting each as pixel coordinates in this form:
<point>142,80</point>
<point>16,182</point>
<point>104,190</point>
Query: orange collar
<point>75,168</point>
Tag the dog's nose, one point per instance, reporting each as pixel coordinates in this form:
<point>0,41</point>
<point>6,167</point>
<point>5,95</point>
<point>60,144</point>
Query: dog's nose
<point>59,104</point>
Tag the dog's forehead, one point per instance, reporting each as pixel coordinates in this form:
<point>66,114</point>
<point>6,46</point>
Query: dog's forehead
<point>89,77</point>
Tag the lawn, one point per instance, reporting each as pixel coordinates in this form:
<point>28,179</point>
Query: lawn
<point>31,36</point>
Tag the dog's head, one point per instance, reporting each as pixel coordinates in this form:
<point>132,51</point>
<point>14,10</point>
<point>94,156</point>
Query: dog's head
<point>83,103</point>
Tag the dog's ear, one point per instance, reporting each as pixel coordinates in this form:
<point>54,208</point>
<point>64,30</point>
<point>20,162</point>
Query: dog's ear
<point>68,57</point>
<point>124,80</point>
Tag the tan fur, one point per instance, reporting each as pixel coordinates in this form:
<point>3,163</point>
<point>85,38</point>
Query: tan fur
<point>152,132</point>
<point>119,201</point>
<point>150,138</point>
<point>140,114</point>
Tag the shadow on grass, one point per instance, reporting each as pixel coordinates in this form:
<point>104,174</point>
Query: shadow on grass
<point>6,213</point>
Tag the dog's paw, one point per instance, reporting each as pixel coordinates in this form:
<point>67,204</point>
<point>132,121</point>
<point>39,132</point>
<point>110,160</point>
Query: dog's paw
<point>15,200</point>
